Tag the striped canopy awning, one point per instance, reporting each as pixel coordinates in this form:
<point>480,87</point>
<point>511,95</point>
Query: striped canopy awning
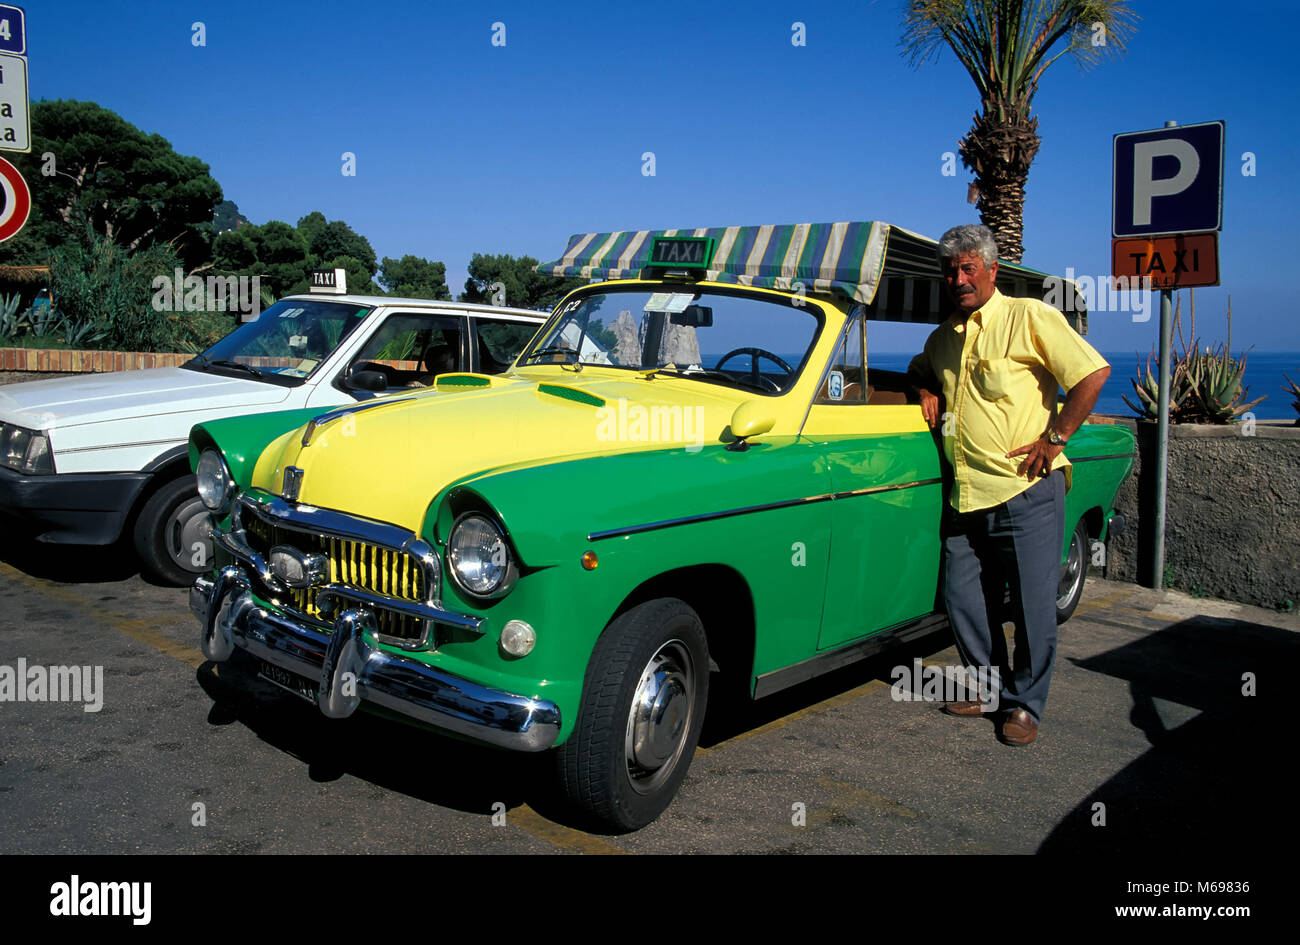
<point>892,271</point>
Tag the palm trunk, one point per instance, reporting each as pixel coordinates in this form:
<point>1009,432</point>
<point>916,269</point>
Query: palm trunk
<point>1000,151</point>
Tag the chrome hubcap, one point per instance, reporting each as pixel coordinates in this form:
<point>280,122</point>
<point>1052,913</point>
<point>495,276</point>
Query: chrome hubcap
<point>661,715</point>
<point>1071,574</point>
<point>189,531</point>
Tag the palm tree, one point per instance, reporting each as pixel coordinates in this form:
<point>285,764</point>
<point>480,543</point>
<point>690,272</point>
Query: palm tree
<point>1005,45</point>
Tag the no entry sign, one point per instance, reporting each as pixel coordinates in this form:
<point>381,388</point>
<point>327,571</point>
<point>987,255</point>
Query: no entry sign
<point>17,200</point>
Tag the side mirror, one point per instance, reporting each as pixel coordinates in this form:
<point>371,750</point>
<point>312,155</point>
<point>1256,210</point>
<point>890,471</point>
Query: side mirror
<point>752,418</point>
<point>366,380</point>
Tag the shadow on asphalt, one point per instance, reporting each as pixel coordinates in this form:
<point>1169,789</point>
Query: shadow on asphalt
<point>1219,782</point>
<point>72,564</point>
<point>68,564</point>
<point>393,754</point>
<point>464,776</point>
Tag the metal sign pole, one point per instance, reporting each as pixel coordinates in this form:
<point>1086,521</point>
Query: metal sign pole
<point>1162,429</point>
<point>1162,437</point>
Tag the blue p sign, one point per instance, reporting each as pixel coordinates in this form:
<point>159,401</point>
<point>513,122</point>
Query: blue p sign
<point>1169,180</point>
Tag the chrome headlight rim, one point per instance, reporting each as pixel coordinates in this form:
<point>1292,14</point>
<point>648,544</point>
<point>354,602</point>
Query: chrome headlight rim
<point>215,484</point>
<point>36,456</point>
<point>455,552</point>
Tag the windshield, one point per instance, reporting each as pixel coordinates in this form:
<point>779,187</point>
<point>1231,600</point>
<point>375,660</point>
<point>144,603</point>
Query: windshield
<point>713,335</point>
<point>286,343</point>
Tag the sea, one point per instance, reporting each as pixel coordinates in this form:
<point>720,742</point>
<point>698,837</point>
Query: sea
<point>1264,376</point>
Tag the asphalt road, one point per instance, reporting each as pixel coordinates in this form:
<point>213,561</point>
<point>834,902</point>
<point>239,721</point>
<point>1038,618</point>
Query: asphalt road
<point>1148,743</point>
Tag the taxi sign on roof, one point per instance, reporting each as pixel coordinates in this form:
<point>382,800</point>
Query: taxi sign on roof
<point>681,252</point>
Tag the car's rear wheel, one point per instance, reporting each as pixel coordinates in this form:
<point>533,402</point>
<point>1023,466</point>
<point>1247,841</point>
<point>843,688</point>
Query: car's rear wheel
<point>1073,572</point>
<point>173,535</point>
<point>643,702</point>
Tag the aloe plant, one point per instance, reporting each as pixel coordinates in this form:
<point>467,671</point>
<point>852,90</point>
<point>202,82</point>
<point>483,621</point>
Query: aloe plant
<point>1147,388</point>
<point>1205,386</point>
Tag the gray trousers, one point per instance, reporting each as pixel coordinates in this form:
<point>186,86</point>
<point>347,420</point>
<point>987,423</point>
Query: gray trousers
<point>1017,543</point>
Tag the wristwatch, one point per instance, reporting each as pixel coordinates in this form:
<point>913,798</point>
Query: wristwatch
<point>1056,439</point>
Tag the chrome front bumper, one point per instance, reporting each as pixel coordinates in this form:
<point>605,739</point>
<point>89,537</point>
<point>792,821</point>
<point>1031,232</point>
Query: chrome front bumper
<point>351,667</point>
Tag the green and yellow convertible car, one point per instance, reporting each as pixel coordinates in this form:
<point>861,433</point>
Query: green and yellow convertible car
<point>693,472</point>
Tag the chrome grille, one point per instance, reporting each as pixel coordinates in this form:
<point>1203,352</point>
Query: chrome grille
<point>368,567</point>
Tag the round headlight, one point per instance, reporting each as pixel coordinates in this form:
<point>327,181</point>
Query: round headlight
<point>479,558</point>
<point>215,483</point>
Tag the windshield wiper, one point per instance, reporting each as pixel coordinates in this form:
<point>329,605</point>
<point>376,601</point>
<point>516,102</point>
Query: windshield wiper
<point>558,349</point>
<point>237,365</point>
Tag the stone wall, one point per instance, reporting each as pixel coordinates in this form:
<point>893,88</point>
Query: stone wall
<point>1232,525</point>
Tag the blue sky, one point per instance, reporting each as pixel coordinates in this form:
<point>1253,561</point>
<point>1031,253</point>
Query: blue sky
<point>462,146</point>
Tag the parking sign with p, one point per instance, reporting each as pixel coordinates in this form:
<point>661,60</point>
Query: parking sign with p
<point>1169,180</point>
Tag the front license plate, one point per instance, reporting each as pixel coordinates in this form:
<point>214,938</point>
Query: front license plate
<point>291,682</point>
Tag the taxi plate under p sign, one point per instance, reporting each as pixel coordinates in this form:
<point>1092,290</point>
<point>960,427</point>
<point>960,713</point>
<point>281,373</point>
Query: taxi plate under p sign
<point>1172,262</point>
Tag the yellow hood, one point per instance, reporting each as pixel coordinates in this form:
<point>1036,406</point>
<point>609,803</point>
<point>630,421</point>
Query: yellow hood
<point>386,459</point>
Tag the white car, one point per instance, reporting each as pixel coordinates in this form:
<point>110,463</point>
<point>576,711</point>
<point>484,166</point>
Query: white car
<point>88,459</point>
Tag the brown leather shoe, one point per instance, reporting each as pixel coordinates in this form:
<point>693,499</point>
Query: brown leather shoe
<point>1018,728</point>
<point>964,709</point>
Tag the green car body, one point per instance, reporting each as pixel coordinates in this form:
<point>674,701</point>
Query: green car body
<point>792,532</point>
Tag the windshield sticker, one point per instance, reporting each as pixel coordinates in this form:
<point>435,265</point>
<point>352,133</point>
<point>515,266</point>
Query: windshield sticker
<point>292,312</point>
<point>835,385</point>
<point>669,302</point>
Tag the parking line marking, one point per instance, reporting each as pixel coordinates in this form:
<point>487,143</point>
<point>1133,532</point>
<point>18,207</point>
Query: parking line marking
<point>135,628</point>
<point>566,838</point>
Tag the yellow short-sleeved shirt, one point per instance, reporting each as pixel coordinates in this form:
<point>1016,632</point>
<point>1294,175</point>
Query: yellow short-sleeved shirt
<point>999,371</point>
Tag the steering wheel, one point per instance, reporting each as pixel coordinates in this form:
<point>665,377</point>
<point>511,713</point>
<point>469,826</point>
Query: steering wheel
<point>754,354</point>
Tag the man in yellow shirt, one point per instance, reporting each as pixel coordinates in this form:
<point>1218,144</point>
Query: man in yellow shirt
<point>989,377</point>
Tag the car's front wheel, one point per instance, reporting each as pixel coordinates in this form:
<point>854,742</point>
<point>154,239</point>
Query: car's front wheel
<point>1075,569</point>
<point>173,535</point>
<point>643,702</point>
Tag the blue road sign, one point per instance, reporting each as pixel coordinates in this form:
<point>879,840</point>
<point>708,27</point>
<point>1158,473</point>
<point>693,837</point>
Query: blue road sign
<point>13,30</point>
<point>1169,180</point>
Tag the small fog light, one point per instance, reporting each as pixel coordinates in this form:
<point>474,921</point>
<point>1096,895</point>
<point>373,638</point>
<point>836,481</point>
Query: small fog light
<point>518,638</point>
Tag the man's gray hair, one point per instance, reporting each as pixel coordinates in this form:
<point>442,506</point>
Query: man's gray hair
<point>969,238</point>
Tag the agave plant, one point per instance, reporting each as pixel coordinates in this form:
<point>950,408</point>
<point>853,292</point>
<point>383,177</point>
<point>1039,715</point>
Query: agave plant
<point>81,335</point>
<point>45,321</point>
<point>11,322</point>
<point>1293,391</point>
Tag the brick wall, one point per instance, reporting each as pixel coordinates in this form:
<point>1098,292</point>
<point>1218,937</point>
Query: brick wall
<point>72,362</point>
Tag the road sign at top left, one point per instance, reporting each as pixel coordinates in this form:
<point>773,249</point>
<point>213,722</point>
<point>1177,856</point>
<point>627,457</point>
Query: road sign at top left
<point>15,114</point>
<point>13,29</point>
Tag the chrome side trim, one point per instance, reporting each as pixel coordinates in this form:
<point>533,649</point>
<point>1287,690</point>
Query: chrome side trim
<point>1089,459</point>
<point>899,485</point>
<point>352,668</point>
<point>815,666</point>
<point>746,510</point>
<point>705,517</point>
<point>121,446</point>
